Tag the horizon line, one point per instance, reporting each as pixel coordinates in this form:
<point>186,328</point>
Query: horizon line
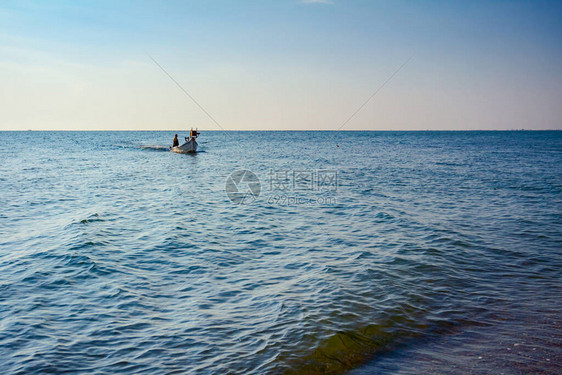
<point>278,130</point>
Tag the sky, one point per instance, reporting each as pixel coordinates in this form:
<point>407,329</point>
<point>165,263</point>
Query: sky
<point>280,65</point>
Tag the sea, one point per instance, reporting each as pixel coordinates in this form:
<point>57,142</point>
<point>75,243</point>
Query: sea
<point>282,252</point>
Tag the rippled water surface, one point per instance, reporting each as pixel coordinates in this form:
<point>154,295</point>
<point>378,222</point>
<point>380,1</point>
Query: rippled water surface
<point>430,252</point>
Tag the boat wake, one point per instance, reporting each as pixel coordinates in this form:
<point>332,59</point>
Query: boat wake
<point>156,148</point>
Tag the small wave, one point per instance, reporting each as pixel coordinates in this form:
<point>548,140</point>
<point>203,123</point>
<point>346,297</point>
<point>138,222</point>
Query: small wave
<point>91,219</point>
<point>155,148</point>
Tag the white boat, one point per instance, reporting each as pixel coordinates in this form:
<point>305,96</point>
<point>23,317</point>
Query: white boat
<point>187,147</point>
<point>190,144</point>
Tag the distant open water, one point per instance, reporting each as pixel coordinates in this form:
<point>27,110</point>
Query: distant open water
<point>435,252</point>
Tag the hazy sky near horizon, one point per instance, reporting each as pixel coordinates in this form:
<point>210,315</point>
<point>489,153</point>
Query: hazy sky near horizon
<point>284,64</point>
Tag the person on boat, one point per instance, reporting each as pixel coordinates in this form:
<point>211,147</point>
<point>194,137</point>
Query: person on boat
<point>193,133</point>
<point>176,142</point>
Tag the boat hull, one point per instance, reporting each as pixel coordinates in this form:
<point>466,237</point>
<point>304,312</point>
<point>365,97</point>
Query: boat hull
<point>188,147</point>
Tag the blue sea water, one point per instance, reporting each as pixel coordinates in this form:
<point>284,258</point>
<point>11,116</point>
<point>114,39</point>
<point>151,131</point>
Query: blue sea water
<point>361,252</point>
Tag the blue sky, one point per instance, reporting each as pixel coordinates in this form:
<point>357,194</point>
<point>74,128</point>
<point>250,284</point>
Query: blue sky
<point>285,64</point>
